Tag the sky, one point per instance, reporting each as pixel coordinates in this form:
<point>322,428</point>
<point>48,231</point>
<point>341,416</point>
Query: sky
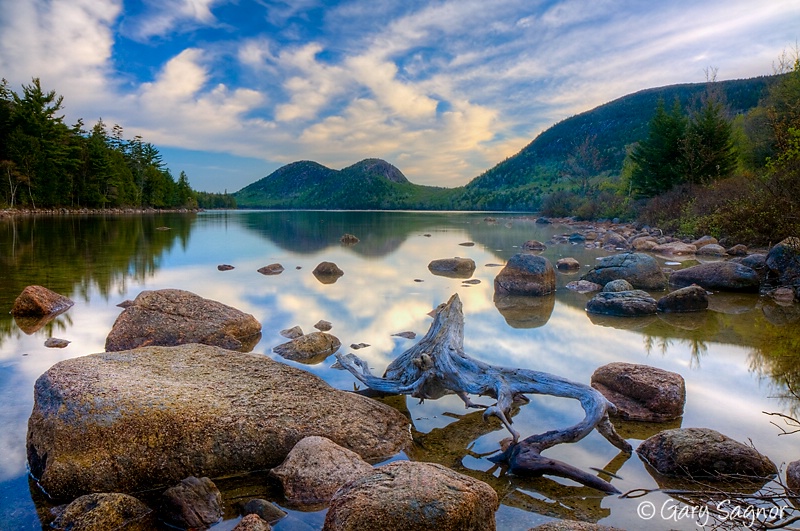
<point>230,90</point>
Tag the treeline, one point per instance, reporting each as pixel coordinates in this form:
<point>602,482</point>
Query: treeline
<point>45,163</point>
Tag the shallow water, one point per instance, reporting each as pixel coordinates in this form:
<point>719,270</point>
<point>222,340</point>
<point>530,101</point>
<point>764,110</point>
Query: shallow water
<point>736,358</point>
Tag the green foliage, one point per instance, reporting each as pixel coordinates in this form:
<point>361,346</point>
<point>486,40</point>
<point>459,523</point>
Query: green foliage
<point>708,152</point>
<point>657,160</point>
<point>46,164</point>
<point>210,200</point>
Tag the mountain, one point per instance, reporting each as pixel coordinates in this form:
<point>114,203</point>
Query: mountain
<point>517,183</point>
<point>369,184</point>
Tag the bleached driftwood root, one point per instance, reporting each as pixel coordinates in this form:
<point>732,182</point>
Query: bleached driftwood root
<point>437,366</point>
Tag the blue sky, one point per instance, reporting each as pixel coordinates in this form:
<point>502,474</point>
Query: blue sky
<point>230,90</point>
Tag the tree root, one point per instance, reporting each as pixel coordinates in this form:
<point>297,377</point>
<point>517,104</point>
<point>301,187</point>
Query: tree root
<point>437,366</point>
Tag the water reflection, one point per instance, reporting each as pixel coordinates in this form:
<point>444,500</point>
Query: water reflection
<point>739,358</point>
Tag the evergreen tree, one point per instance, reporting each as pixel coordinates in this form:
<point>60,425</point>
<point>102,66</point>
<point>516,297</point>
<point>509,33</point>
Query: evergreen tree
<point>708,151</point>
<point>186,196</point>
<point>658,158</point>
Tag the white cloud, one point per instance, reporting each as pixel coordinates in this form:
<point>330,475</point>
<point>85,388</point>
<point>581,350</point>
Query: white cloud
<point>163,16</point>
<point>66,43</point>
<point>179,108</point>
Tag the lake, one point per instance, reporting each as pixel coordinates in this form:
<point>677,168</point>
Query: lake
<point>737,358</point>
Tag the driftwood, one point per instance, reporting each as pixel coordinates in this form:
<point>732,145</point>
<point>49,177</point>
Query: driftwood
<point>437,366</point>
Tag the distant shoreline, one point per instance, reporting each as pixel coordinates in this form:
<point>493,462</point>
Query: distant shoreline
<point>17,212</point>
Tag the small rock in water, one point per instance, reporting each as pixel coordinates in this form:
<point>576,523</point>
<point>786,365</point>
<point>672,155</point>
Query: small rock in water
<point>53,342</point>
<point>224,267</point>
<point>271,269</point>
<point>356,346</point>
<point>292,333</point>
<point>323,325</point>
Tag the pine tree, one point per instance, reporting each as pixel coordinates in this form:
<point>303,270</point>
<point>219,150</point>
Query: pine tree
<point>658,158</point>
<point>708,152</point>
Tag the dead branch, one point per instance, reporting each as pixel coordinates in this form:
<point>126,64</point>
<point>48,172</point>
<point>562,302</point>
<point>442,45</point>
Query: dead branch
<point>437,366</point>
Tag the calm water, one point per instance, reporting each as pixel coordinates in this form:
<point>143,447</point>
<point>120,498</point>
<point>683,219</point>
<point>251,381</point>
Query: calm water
<point>736,358</point>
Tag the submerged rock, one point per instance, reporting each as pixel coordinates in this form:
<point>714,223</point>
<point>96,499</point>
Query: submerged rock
<point>145,418</point>
<point>534,246</point>
<point>640,392</point>
<point>413,496</point>
<point>171,317</point>
<point>38,301</point>
<point>703,453</point>
<point>452,267</point>
<point>271,269</point>
<point>267,511</point>
<point>310,348</point>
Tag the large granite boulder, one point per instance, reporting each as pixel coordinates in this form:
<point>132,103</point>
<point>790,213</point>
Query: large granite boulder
<point>316,468</point>
<point>105,511</point>
<point>526,274</point>
<point>640,392</point>
<point>783,262</point>
<point>641,270</point>
<point>139,419</point>
<point>689,299</point>
<point>38,301</point>
<point>721,276</point>
<point>171,317</point>
<point>413,496</point>
<point>632,303</point>
<point>703,453</point>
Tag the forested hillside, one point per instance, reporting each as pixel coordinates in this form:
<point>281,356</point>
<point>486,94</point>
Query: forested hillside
<point>594,143</point>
